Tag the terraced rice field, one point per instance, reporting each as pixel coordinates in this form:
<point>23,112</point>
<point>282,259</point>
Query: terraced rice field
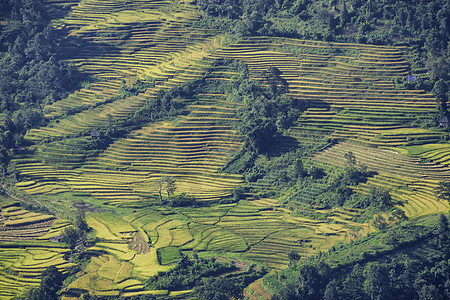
<point>21,266</point>
<point>258,230</point>
<point>155,42</point>
<point>192,153</point>
<point>18,224</point>
<point>107,276</point>
<point>25,251</point>
<point>352,99</point>
<point>410,181</point>
<point>350,87</point>
<point>436,153</point>
<point>353,95</point>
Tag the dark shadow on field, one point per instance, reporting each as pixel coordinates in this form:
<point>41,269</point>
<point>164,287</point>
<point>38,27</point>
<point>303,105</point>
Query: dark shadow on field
<point>72,47</point>
<point>60,11</point>
<point>281,144</point>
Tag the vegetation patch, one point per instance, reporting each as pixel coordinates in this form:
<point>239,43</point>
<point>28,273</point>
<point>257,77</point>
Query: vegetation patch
<point>168,255</point>
<point>185,274</point>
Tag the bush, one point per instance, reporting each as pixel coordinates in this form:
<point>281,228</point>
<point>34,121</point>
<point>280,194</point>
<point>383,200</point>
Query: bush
<point>238,193</point>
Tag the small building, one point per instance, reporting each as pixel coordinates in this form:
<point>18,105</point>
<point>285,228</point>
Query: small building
<point>96,134</point>
<point>443,122</point>
<point>411,78</point>
<point>57,238</point>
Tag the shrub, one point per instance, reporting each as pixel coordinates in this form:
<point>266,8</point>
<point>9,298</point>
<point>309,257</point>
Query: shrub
<point>238,193</point>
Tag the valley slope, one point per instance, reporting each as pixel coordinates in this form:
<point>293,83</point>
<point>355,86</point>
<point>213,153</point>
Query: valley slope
<point>353,104</point>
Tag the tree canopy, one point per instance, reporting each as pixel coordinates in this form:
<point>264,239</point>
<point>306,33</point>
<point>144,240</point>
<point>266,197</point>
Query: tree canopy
<point>442,191</point>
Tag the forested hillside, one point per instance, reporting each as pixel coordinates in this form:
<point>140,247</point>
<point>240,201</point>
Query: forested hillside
<point>214,149</point>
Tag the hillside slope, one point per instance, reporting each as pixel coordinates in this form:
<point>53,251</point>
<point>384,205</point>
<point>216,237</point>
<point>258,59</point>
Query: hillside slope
<point>139,52</point>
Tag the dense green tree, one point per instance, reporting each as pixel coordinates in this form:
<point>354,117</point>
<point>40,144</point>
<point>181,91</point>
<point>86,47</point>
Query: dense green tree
<point>397,215</point>
<point>264,114</point>
<point>442,191</point>
<point>433,42</point>
<point>440,91</point>
<point>293,256</point>
<point>3,159</point>
<point>257,124</point>
<point>429,292</point>
<point>7,139</point>
<point>309,283</point>
<point>51,282</point>
<point>71,236</point>
<point>169,185</point>
<point>29,118</point>
<point>80,222</point>
<point>376,283</point>
<point>288,292</point>
<point>380,198</point>
<point>350,158</point>
<point>380,223</point>
<point>187,274</point>
<point>330,291</point>
<point>443,235</point>
<point>354,175</point>
<point>438,67</point>
<point>238,192</point>
<point>344,16</point>
<point>221,288</point>
<point>352,284</point>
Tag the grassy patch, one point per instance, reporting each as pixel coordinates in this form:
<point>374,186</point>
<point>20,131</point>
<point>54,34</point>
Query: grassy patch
<point>168,255</point>
<point>421,149</point>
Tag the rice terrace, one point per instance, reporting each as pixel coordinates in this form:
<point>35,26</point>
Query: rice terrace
<point>183,149</point>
